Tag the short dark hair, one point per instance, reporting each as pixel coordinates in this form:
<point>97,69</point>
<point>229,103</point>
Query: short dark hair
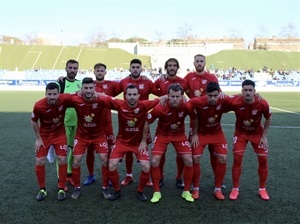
<point>131,86</point>
<point>135,61</point>
<point>53,85</point>
<point>199,55</point>
<point>212,86</point>
<point>72,61</point>
<point>171,59</point>
<point>248,82</point>
<point>175,87</point>
<point>87,80</point>
<point>99,65</point>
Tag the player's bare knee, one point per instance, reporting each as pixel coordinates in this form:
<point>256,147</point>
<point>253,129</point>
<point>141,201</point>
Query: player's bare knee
<point>146,167</point>
<point>40,161</point>
<point>113,165</point>
<point>222,159</point>
<point>155,161</point>
<point>196,159</point>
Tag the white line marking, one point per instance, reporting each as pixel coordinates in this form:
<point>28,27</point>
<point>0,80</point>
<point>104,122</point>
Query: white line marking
<point>287,111</point>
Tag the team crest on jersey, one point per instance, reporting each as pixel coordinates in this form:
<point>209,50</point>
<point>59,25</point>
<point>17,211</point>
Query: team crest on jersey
<point>131,123</point>
<point>105,86</point>
<point>78,86</point>
<point>89,118</point>
<point>248,122</point>
<point>174,126</point>
<point>137,110</point>
<point>94,105</point>
<point>204,81</point>
<point>197,92</point>
<point>211,120</point>
<point>61,108</point>
<point>149,116</point>
<point>254,112</point>
<point>180,114</point>
<point>56,120</point>
<point>141,86</point>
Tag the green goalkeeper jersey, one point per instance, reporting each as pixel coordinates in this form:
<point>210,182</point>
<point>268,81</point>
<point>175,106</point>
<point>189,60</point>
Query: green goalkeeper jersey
<point>70,87</point>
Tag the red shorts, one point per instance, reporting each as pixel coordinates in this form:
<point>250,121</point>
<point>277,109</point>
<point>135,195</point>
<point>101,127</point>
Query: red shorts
<point>99,145</point>
<point>120,149</point>
<point>180,143</point>
<point>59,143</point>
<point>216,140</point>
<point>240,142</point>
<point>109,133</point>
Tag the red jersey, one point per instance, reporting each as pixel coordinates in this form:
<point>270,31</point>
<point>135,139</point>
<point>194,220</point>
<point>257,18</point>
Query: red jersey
<point>145,86</point>
<point>163,86</point>
<point>209,116</point>
<point>197,83</point>
<point>248,116</point>
<point>109,88</point>
<point>131,120</point>
<point>51,117</point>
<point>89,114</point>
<point>170,120</point>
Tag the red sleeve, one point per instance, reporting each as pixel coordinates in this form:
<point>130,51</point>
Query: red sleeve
<point>154,89</point>
<point>149,104</point>
<point>151,117</point>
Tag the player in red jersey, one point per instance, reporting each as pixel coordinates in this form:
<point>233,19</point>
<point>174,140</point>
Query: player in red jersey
<point>89,108</point>
<point>209,109</point>
<point>197,82</point>
<point>48,124</point>
<point>131,119</point>
<point>170,129</point>
<point>109,88</point>
<point>145,88</point>
<point>171,67</point>
<point>249,111</point>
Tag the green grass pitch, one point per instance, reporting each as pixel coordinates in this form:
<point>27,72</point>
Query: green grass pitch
<point>19,186</point>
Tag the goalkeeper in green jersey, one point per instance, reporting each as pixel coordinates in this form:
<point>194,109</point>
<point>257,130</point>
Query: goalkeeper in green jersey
<point>70,84</point>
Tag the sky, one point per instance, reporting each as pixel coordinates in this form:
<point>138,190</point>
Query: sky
<point>74,21</point>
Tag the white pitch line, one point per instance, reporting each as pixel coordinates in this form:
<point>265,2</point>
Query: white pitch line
<point>287,111</point>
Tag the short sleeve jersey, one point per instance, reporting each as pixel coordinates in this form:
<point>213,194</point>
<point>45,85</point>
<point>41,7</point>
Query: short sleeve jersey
<point>132,120</point>
<point>248,116</point>
<point>163,86</point>
<point>197,83</point>
<point>145,86</point>
<point>70,87</point>
<point>170,120</point>
<point>89,115</point>
<point>51,117</point>
<point>209,116</point>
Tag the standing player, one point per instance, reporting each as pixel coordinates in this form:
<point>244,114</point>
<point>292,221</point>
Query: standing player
<point>70,84</point>
<point>197,82</point>
<point>248,128</point>
<point>209,109</point>
<point>47,122</point>
<point>145,88</point>
<point>89,108</point>
<point>109,88</point>
<point>170,129</point>
<point>171,67</point>
<point>131,118</point>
